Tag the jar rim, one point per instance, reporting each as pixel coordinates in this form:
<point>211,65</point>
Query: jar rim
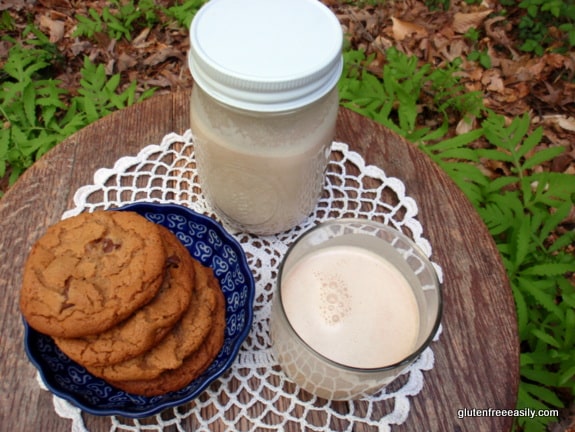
<point>250,54</point>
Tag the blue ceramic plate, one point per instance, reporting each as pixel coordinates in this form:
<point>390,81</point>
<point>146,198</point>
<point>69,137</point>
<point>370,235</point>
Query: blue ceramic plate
<point>209,243</point>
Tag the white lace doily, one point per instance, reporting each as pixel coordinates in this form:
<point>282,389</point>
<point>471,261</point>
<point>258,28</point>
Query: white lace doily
<point>254,394</point>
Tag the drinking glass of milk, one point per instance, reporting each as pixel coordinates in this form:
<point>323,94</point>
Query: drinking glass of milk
<point>356,303</point>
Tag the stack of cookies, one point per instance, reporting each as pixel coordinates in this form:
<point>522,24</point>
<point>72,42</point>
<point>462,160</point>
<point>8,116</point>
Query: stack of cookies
<point>122,297</point>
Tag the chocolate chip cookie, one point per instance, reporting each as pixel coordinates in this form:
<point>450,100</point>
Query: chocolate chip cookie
<point>148,325</point>
<point>192,366</point>
<point>185,338</point>
<point>88,273</point>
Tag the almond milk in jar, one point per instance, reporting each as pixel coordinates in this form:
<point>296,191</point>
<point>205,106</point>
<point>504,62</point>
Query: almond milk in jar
<point>264,107</point>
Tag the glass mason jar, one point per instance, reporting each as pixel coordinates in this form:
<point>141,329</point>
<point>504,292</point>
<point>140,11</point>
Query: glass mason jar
<point>264,107</point>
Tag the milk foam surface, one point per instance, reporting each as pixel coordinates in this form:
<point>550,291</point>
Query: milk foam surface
<point>352,306</point>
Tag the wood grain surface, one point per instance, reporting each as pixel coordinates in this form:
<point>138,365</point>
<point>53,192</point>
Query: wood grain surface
<point>476,358</point>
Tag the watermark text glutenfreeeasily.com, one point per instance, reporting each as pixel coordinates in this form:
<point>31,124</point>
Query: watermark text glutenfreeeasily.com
<point>490,412</point>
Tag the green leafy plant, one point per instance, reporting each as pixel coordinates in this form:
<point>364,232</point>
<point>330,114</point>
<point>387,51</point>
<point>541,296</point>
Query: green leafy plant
<point>183,13</point>
<point>542,24</point>
<point>122,18</point>
<point>89,26</point>
<point>397,101</point>
<point>477,54</point>
<point>6,21</point>
<point>480,56</point>
<point>438,4</point>
<point>33,112</point>
<point>99,95</point>
<point>538,18</point>
<point>535,205</point>
<point>119,20</point>
<point>28,106</point>
<point>36,112</point>
<point>522,210</point>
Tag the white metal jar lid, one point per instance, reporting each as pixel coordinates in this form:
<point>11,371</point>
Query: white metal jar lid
<point>265,55</point>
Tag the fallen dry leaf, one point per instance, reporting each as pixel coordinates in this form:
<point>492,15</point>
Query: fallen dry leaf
<point>492,81</point>
<point>466,124</point>
<point>125,62</point>
<point>561,162</point>
<point>402,29</point>
<point>555,94</point>
<point>563,121</point>
<point>162,55</point>
<point>12,4</point>
<point>498,34</point>
<point>451,49</point>
<point>522,69</point>
<point>55,28</point>
<point>463,22</point>
<point>141,41</point>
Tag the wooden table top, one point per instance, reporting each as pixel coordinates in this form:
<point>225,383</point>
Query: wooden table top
<point>476,357</point>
